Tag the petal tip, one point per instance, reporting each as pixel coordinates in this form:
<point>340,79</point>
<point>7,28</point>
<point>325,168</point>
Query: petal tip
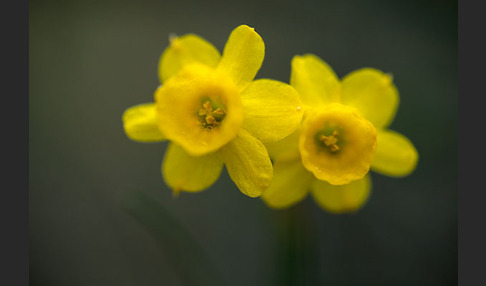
<point>176,192</point>
<point>245,26</point>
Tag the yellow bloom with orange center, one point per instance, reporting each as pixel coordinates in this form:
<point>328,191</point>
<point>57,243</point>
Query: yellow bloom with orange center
<point>214,113</point>
<point>343,135</point>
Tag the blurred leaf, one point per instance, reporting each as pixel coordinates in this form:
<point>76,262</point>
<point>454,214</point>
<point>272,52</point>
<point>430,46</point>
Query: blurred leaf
<point>182,250</point>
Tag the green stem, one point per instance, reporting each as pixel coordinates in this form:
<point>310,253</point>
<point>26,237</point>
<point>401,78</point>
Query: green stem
<point>297,250</point>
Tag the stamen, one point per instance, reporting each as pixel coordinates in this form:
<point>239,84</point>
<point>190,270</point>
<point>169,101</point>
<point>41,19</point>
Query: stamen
<point>331,141</point>
<point>334,148</point>
<point>207,106</point>
<point>210,118</point>
<point>218,111</point>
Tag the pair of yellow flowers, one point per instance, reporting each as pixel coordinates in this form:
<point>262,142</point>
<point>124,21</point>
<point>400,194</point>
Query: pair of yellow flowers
<point>277,141</point>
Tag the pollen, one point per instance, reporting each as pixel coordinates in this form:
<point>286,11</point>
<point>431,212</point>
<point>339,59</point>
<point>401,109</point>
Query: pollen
<point>330,141</point>
<point>210,118</point>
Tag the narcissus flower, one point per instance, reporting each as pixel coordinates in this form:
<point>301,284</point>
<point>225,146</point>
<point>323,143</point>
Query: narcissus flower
<point>214,113</point>
<point>343,135</point>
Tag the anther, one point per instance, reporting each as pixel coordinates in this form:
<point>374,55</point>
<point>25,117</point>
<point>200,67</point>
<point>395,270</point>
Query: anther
<point>210,118</point>
<point>334,148</point>
<point>218,111</point>
<point>331,141</point>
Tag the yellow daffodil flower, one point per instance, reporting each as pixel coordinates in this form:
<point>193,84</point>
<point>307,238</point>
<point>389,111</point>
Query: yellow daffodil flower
<point>343,135</point>
<point>214,113</point>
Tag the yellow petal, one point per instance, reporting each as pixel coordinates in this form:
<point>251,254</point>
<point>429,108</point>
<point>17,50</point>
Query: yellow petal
<point>272,109</point>
<point>290,184</point>
<point>342,199</point>
<point>285,149</point>
<point>182,104</point>
<point>314,79</point>
<point>242,56</point>
<point>140,123</point>
<point>185,50</point>
<point>337,144</point>
<point>183,172</point>
<point>248,164</point>
<point>395,155</point>
<point>373,93</point>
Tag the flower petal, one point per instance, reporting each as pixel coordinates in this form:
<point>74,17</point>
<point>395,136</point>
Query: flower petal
<point>314,79</point>
<point>344,198</point>
<point>373,93</point>
<point>248,164</point>
<point>272,109</point>
<point>285,149</point>
<point>395,155</point>
<point>183,172</point>
<point>185,50</point>
<point>140,123</point>
<point>242,56</point>
<point>290,184</point>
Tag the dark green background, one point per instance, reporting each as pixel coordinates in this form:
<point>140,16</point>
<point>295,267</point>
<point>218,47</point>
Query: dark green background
<point>90,60</point>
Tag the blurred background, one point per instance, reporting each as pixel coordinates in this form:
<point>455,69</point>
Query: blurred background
<point>101,214</point>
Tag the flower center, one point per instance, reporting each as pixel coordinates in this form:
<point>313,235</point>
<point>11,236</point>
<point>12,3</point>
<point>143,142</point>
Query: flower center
<point>337,144</point>
<point>330,141</point>
<point>200,109</point>
<point>209,117</point>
